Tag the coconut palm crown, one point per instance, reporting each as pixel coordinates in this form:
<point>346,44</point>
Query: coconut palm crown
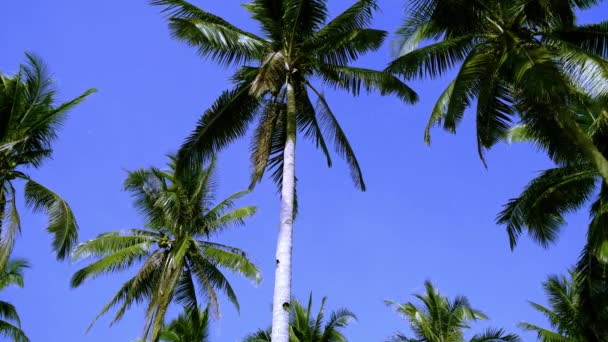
<point>519,60</point>
<point>30,118</point>
<point>177,262</point>
<point>440,319</point>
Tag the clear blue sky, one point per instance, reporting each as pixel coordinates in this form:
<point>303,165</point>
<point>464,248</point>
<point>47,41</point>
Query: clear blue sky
<point>428,214</point>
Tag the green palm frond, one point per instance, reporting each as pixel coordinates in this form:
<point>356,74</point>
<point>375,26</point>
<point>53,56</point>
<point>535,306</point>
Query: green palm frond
<point>115,262</point>
<point>258,336</point>
<point>62,223</point>
<point>433,60</point>
<point>564,313</point>
<point>13,229</point>
<point>13,332</point>
<point>495,335</point>
<point>13,273</point>
<point>226,121</point>
<point>10,323</point>
<point>332,129</point>
<point>357,16</point>
<point>213,36</point>
<point>29,122</point>
<point>353,79</point>
<point>541,207</point>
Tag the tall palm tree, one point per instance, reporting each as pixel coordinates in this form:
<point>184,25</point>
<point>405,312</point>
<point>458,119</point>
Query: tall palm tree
<point>565,314</point>
<point>304,327</point>
<point>440,319</point>
<point>517,59</point>
<point>10,324</point>
<point>190,326</point>
<point>541,207</point>
<point>175,255</point>
<point>277,74</point>
<point>29,121</point>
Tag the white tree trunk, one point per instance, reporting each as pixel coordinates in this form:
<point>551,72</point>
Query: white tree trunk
<point>282,283</point>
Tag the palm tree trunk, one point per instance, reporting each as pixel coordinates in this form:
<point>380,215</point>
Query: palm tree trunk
<point>282,283</point>
<point>585,143</point>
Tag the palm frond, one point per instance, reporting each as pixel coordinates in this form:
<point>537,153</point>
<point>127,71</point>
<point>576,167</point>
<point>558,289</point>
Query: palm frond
<point>213,36</point>
<point>495,335</point>
<point>354,79</point>
<point>227,120</point>
<point>62,223</point>
<point>540,207</point>
<point>332,129</point>
<point>228,259</point>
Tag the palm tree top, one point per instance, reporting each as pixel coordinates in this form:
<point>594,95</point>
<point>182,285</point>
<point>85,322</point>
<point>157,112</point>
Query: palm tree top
<point>438,318</point>
<point>515,58</point>
<point>298,47</point>
<point>29,121</point>
<point>177,261</point>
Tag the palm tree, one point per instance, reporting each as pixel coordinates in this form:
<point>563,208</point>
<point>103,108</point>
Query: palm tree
<point>517,58</point>
<point>10,324</point>
<point>305,328</point>
<point>29,120</point>
<point>189,326</point>
<point>276,76</point>
<point>541,207</point>
<point>564,314</point>
<point>173,249</point>
<point>440,319</point>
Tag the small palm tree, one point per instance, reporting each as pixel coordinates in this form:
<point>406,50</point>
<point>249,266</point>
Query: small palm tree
<point>518,58</point>
<point>571,324</point>
<point>29,120</point>
<point>10,324</point>
<point>174,250</point>
<point>189,326</point>
<point>277,75</point>
<point>305,328</point>
<point>440,319</point>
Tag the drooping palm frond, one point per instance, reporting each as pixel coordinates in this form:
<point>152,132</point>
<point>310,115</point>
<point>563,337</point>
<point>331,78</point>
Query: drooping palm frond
<point>541,207</point>
<point>177,262</point>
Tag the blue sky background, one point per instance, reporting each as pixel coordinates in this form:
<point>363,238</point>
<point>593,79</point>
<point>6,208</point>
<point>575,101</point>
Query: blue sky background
<point>428,214</point>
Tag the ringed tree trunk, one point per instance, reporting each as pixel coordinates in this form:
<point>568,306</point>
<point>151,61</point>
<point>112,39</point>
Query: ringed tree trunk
<point>282,284</point>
